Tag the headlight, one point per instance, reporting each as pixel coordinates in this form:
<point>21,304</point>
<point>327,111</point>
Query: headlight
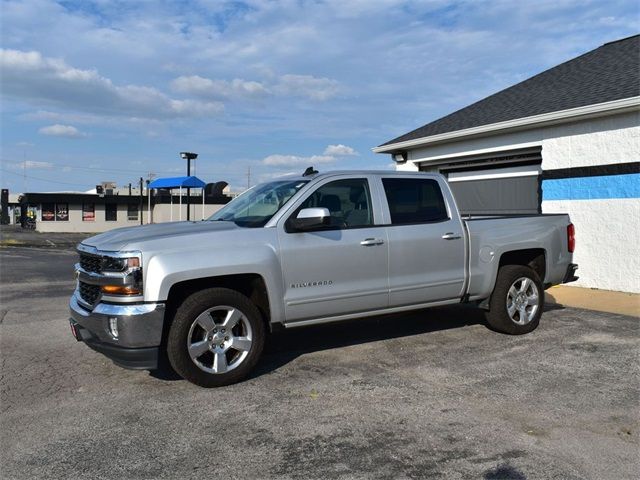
<point>116,267</point>
<point>115,264</point>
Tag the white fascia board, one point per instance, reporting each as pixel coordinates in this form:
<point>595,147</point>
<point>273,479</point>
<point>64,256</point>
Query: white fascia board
<point>598,109</point>
<point>523,171</point>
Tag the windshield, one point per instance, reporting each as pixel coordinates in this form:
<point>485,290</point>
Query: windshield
<point>256,206</point>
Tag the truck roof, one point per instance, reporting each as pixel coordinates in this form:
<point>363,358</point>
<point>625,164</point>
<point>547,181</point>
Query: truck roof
<point>331,173</point>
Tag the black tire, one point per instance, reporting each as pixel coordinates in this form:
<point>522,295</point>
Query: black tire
<point>187,330</point>
<point>522,319</point>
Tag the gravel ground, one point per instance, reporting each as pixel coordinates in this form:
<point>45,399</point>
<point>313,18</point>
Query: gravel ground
<point>430,394</point>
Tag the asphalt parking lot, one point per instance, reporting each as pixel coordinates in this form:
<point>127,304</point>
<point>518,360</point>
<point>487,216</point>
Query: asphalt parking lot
<point>432,394</point>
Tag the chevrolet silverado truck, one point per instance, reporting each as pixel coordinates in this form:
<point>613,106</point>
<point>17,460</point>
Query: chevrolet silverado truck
<point>302,251</point>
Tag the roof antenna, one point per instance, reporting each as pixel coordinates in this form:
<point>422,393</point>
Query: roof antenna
<point>309,171</point>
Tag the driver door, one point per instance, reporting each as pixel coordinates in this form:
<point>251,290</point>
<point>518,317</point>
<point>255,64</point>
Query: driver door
<point>340,268</point>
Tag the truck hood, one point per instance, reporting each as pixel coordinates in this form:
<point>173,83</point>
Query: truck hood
<point>120,238</point>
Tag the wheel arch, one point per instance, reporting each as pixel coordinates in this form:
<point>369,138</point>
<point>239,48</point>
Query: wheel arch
<point>534,258</point>
<point>251,285</point>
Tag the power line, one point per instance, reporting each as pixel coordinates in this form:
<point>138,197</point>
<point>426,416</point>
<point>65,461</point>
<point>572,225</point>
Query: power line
<point>109,170</point>
<point>73,167</point>
<point>42,179</point>
<point>91,169</point>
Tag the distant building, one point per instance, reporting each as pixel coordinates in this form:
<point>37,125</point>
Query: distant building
<point>113,208</point>
<point>566,140</point>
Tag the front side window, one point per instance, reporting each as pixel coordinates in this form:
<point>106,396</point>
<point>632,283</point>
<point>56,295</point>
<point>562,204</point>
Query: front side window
<point>414,200</point>
<point>111,212</point>
<point>348,202</point>
<point>255,207</point>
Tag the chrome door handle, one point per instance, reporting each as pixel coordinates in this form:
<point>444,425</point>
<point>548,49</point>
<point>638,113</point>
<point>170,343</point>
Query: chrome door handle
<point>451,236</point>
<point>369,242</point>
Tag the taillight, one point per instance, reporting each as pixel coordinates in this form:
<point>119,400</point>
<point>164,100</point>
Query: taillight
<point>571,237</point>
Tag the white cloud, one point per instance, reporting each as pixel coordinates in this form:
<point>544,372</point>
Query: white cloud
<point>30,164</point>
<point>38,79</point>
<point>143,124</point>
<point>208,88</point>
<point>307,86</point>
<point>58,130</point>
<point>331,155</point>
<point>320,89</point>
<point>340,150</point>
<point>292,160</point>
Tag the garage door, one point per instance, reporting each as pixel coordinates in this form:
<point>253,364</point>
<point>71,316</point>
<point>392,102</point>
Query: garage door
<point>507,190</point>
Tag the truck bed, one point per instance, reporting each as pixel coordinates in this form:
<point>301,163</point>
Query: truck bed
<point>489,236</point>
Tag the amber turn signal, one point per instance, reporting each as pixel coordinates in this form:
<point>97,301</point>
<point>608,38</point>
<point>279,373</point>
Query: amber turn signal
<point>120,290</point>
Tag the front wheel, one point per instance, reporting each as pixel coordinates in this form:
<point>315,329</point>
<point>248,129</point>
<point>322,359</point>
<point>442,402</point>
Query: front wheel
<point>517,300</point>
<point>216,337</point>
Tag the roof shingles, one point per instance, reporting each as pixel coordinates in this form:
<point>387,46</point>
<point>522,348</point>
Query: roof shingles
<point>610,72</point>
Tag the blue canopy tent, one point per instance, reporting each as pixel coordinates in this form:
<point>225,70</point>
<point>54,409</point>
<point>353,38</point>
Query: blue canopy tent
<point>178,182</point>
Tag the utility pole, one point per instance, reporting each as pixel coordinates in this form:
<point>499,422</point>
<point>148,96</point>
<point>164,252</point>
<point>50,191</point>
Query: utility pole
<point>150,178</point>
<point>24,171</point>
<point>149,214</point>
<point>248,177</point>
<point>188,156</point>
<point>141,199</point>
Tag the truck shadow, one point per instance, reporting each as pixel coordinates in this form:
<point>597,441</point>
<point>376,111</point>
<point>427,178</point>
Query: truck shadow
<point>285,346</point>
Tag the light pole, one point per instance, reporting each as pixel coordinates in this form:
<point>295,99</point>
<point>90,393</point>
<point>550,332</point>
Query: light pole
<point>188,156</point>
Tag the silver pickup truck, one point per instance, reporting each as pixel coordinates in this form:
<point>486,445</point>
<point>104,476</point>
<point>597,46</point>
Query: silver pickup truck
<point>301,251</point>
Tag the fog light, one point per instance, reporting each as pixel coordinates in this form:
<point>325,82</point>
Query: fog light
<point>113,326</point>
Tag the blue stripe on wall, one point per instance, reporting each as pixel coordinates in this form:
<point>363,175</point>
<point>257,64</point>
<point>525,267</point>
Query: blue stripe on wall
<point>589,188</point>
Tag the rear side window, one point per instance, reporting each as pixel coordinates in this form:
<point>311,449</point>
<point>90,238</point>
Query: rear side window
<point>414,200</point>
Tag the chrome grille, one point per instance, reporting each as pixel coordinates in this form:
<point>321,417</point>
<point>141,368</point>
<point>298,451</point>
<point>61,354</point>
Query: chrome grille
<point>88,293</point>
<point>90,263</point>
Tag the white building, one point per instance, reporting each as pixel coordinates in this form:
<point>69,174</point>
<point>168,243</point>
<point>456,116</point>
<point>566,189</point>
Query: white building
<point>564,141</point>
<point>96,212</point>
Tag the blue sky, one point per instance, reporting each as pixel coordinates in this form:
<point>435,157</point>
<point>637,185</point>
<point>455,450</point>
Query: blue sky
<point>113,90</point>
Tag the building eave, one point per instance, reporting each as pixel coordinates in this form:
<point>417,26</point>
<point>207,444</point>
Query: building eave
<point>561,116</point>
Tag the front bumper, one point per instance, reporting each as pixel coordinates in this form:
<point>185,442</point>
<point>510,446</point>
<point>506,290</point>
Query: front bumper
<point>139,331</point>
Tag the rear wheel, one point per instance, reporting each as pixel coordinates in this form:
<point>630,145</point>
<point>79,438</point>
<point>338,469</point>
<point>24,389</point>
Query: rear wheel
<point>216,337</point>
<point>517,300</point>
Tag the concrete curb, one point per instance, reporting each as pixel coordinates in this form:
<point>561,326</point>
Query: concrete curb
<point>593,299</point>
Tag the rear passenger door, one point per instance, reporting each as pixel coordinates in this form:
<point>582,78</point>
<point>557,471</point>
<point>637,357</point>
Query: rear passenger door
<point>426,243</point>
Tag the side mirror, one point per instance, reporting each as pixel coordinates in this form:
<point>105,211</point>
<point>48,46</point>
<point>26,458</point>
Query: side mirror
<point>310,218</point>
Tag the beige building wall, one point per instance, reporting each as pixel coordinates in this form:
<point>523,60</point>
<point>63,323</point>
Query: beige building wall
<point>75,224</point>
<point>168,213</point>
<point>161,213</point>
